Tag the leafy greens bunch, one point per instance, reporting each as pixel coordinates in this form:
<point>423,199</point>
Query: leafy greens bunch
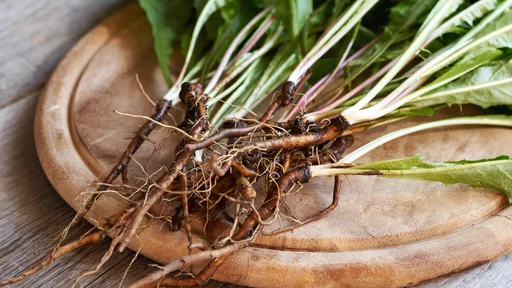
<point>425,56</point>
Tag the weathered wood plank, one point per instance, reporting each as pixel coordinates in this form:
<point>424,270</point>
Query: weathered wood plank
<point>32,213</point>
<point>34,35</point>
<point>495,274</point>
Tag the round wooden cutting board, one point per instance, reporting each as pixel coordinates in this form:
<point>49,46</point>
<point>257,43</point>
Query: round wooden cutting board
<point>384,232</point>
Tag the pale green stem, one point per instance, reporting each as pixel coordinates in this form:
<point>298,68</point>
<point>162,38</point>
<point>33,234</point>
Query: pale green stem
<point>259,93</point>
<point>398,173</point>
<point>438,63</point>
<point>173,93</point>
<point>219,115</point>
<point>304,100</point>
<point>346,23</point>
<point>210,8</point>
<point>231,49</point>
<point>229,90</point>
<point>476,9</point>
<point>236,70</point>
<point>440,11</point>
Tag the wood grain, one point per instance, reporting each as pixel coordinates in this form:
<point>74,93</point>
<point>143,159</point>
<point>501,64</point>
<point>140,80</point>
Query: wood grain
<point>31,212</point>
<point>34,35</point>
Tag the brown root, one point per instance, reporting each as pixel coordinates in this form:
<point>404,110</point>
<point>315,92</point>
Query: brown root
<point>287,94</point>
<point>153,279</point>
<point>177,218</point>
<point>274,196</point>
<point>193,96</point>
<point>241,153</point>
<point>121,166</point>
<point>331,131</point>
<point>184,207</point>
<point>336,151</point>
<point>104,260</point>
<point>242,131</point>
<point>93,238</point>
<point>244,186</point>
<point>142,134</point>
<point>335,200</point>
<point>244,170</point>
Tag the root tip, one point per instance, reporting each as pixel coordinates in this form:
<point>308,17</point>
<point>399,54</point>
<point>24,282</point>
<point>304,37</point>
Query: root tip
<point>121,248</point>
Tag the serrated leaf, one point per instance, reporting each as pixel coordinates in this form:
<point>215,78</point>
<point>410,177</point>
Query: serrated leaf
<point>485,86</point>
<point>468,16</point>
<point>504,40</point>
<point>402,17</point>
<point>471,61</point>
<point>495,173</point>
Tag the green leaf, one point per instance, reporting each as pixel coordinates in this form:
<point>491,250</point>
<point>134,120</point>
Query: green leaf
<point>402,16</point>
<point>493,173</point>
<point>495,31</point>
<point>168,21</point>
<point>470,61</point>
<point>321,68</point>
<point>485,86</point>
<point>320,16</point>
<point>220,18</point>
<point>501,41</point>
<point>409,12</point>
<point>468,16</point>
<point>234,19</point>
<point>294,14</point>
<point>476,11</point>
<point>209,8</point>
<point>493,120</point>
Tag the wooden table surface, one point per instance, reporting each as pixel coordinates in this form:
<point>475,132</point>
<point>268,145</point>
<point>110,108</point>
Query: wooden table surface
<point>34,36</point>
